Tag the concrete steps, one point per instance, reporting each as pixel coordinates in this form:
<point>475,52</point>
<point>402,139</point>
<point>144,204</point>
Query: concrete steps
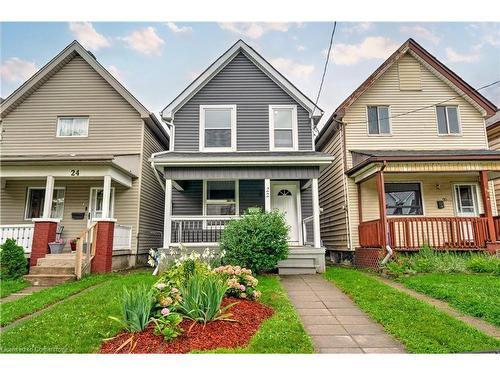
<point>303,260</point>
<point>52,270</point>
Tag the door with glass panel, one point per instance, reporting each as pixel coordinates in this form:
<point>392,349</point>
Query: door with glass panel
<point>466,205</point>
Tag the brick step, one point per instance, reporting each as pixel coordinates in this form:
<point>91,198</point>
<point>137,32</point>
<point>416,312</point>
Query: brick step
<point>56,262</point>
<point>48,280</point>
<point>297,270</point>
<point>52,270</point>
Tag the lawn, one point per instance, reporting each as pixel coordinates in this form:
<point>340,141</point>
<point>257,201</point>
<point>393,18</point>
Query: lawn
<point>11,311</point>
<point>477,295</point>
<point>8,287</point>
<point>419,326</point>
<point>283,332</point>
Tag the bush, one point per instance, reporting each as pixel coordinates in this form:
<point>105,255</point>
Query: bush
<point>167,325</point>
<point>257,241</point>
<point>240,281</point>
<point>136,308</point>
<point>484,264</point>
<point>13,263</point>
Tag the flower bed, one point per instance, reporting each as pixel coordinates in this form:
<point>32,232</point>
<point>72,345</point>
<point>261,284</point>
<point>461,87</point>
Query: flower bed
<point>246,317</point>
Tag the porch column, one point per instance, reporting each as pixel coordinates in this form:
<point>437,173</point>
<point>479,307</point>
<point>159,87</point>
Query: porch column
<point>488,212</point>
<point>167,226</point>
<point>267,194</point>
<point>49,194</point>
<point>315,206</point>
<point>381,208</point>
<point>106,197</point>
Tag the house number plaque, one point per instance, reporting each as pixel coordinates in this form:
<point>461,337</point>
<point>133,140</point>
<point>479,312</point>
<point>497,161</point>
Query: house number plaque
<point>75,172</point>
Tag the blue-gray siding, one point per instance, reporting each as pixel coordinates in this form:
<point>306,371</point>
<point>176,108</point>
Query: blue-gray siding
<point>290,173</point>
<point>242,83</point>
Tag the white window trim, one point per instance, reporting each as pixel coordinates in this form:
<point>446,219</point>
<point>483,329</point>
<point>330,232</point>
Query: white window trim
<point>295,132</point>
<point>232,107</point>
<point>71,136</point>
<point>236,198</point>
<point>479,202</point>
<point>111,200</point>
<point>422,196</point>
<point>448,134</point>
<point>43,188</point>
<point>368,121</point>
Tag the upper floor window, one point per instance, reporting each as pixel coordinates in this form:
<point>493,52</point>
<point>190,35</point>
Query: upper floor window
<point>378,120</point>
<point>35,199</point>
<point>447,119</point>
<point>72,126</point>
<point>217,128</point>
<point>283,127</point>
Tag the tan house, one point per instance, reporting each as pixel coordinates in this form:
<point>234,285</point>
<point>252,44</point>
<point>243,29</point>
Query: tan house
<point>74,148</point>
<point>493,130</point>
<point>412,165</point>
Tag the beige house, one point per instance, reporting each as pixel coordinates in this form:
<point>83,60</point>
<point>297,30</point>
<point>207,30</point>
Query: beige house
<point>74,149</point>
<point>412,164</point>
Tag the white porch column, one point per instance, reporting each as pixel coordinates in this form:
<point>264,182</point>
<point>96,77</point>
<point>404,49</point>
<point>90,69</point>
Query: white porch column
<point>315,204</point>
<point>267,194</point>
<point>49,193</point>
<point>167,221</point>
<point>106,197</point>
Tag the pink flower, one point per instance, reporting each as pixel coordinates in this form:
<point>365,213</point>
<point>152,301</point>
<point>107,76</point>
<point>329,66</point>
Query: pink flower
<point>242,287</point>
<point>174,290</point>
<point>165,311</point>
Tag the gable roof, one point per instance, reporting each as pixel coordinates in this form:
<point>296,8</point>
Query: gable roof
<point>240,46</point>
<point>59,61</point>
<point>433,64</point>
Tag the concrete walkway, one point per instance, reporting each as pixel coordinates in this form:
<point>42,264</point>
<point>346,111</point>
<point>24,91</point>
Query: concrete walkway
<point>334,322</point>
<point>22,293</point>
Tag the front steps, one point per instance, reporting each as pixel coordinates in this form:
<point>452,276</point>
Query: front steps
<point>303,260</point>
<point>52,270</point>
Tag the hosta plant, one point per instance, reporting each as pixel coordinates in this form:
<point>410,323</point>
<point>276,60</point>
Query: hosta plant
<point>240,281</point>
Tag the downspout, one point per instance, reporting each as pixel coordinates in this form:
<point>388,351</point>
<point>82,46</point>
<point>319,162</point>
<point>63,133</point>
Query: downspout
<point>388,248</point>
<point>171,142</point>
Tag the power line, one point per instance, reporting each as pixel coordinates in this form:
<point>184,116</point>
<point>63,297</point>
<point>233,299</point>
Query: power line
<point>427,106</point>
<point>324,69</point>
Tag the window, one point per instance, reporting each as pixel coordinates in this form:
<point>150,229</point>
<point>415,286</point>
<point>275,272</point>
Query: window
<point>217,128</point>
<point>403,199</point>
<point>72,126</point>
<point>447,119</point>
<point>466,199</point>
<point>378,120</point>
<point>283,127</point>
<point>35,199</point>
<point>221,198</point>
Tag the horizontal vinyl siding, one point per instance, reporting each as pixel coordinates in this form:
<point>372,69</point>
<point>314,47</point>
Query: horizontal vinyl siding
<point>251,194</point>
<point>75,90</point>
<point>152,199</point>
<point>190,200</point>
<point>494,144</point>
<point>242,83</point>
<point>13,202</point>
<point>417,130</point>
<point>332,197</point>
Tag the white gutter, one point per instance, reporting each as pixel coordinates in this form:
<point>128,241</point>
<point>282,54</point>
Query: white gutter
<point>388,256</point>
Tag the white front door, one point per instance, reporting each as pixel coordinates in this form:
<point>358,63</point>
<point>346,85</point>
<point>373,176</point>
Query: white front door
<point>284,198</point>
<point>95,204</point>
<point>466,200</point>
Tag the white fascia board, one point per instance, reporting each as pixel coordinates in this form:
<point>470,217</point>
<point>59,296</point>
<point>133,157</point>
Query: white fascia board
<point>168,113</point>
<point>242,162</point>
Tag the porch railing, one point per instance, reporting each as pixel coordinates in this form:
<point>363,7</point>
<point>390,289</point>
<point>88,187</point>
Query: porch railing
<point>411,233</point>
<point>496,220</point>
<point>198,229</point>
<point>85,250</point>
<point>21,233</point>
<point>122,238</point>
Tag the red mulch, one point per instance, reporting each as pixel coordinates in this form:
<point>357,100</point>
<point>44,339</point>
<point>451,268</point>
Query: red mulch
<point>248,316</point>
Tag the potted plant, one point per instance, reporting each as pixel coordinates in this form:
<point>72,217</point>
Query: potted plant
<point>72,243</point>
<point>57,246</point>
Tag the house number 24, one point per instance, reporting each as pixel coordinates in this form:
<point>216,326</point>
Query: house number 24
<point>75,172</point>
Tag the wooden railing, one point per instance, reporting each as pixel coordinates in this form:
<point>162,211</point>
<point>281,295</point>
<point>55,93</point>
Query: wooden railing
<point>496,220</point>
<point>411,233</point>
<point>21,233</point>
<point>198,229</point>
<point>85,250</point>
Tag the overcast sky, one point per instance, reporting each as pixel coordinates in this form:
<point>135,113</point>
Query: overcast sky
<point>155,61</point>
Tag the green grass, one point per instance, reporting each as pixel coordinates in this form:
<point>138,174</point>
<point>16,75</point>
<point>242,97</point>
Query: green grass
<point>8,287</point>
<point>75,326</point>
<point>476,295</point>
<point>283,332</point>
<point>11,311</point>
<point>419,326</point>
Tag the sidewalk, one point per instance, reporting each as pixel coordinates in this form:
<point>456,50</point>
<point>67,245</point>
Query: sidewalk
<point>334,322</point>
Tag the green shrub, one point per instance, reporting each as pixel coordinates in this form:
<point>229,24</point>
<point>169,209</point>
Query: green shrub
<point>167,325</point>
<point>257,241</point>
<point>484,264</point>
<point>202,297</point>
<point>136,308</point>
<point>13,263</point>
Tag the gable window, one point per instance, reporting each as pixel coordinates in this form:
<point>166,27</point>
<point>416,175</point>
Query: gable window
<point>35,199</point>
<point>221,198</point>
<point>283,127</point>
<point>447,119</point>
<point>378,120</point>
<point>217,128</point>
<point>72,126</point>
<point>403,198</point>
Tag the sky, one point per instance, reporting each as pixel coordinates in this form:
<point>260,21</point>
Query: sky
<point>156,61</point>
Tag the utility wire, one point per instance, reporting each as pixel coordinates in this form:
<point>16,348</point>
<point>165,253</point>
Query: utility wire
<point>324,71</point>
<point>427,106</point>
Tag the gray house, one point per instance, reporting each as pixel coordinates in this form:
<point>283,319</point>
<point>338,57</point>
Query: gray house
<point>241,137</point>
